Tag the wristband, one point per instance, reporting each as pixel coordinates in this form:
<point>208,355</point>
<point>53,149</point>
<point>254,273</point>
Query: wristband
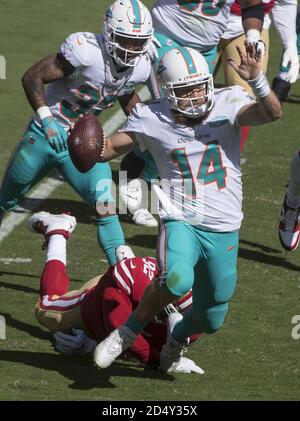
<point>44,112</point>
<point>260,85</point>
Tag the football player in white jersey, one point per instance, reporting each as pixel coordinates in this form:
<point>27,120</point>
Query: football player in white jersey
<point>195,24</point>
<point>89,73</point>
<point>193,134</point>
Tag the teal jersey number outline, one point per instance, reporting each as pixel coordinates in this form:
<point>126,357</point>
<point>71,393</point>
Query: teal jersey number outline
<point>93,97</point>
<point>211,158</point>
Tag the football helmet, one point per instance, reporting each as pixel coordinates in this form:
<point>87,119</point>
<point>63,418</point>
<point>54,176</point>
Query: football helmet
<point>128,31</point>
<point>184,67</point>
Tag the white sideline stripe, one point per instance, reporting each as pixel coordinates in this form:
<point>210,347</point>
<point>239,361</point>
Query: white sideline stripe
<point>14,219</point>
<point>47,187</point>
<point>7,260</point>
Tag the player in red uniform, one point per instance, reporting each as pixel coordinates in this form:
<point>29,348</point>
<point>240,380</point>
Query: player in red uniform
<point>102,304</point>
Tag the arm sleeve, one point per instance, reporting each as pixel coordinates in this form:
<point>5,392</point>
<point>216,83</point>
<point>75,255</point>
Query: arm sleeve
<point>284,16</point>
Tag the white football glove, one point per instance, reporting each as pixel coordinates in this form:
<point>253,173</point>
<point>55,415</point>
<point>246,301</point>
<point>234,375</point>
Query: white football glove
<point>77,344</point>
<point>253,37</point>
<point>185,365</point>
<point>290,57</point>
<point>152,50</point>
<point>260,47</point>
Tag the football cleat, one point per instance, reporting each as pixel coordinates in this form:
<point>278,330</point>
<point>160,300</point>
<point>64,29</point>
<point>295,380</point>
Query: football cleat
<point>289,230</point>
<point>112,347</point>
<point>145,218</point>
<point>48,224</point>
<point>173,350</point>
<point>124,252</point>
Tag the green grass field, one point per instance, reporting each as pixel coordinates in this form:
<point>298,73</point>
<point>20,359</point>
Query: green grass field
<point>253,357</point>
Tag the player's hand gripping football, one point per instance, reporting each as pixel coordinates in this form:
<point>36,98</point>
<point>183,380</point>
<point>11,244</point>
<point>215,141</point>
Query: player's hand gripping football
<point>56,135</point>
<point>250,65</point>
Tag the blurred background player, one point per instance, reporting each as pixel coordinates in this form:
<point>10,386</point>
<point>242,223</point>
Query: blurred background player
<point>90,72</point>
<point>103,303</point>
<point>284,18</point>
<point>194,24</point>
<point>201,196</point>
<point>282,83</point>
<point>289,230</point>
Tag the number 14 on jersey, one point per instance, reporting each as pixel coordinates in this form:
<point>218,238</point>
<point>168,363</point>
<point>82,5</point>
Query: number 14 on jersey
<point>211,169</point>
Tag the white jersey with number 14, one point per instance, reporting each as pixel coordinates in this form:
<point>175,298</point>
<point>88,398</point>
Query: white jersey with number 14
<point>200,163</point>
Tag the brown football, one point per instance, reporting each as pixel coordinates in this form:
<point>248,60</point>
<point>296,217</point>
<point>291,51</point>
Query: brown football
<point>85,142</point>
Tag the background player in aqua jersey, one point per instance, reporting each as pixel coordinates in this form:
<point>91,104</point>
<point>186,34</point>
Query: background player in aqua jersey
<point>193,134</point>
<point>195,24</point>
<point>89,73</point>
<point>100,305</point>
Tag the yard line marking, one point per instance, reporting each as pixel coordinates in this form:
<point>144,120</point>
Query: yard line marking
<point>14,219</point>
<point>7,260</point>
<point>47,187</point>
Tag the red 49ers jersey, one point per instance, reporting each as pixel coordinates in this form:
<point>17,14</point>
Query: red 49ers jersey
<point>117,294</point>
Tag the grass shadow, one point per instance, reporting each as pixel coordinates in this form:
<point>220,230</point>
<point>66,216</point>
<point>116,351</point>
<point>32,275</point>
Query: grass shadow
<point>80,371</point>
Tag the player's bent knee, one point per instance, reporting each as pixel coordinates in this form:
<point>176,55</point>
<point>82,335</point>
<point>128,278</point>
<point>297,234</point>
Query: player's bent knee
<point>215,317</point>
<point>180,278</point>
<point>225,288</point>
<point>52,320</point>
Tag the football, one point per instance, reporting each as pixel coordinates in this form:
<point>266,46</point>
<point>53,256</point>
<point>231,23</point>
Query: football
<point>86,142</point>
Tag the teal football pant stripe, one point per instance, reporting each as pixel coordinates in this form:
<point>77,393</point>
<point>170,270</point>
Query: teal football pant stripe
<point>34,158</point>
<point>204,261</point>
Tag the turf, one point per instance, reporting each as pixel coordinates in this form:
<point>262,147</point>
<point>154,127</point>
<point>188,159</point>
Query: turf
<point>252,357</point>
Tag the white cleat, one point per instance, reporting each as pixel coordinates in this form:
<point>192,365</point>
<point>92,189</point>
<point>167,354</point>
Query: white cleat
<point>107,351</point>
<point>289,230</point>
<point>145,218</point>
<point>48,224</point>
<point>173,350</point>
<point>124,252</point>
<point>131,195</point>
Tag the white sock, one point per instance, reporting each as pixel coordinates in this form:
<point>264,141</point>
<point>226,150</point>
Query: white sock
<point>57,248</point>
<point>293,193</point>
